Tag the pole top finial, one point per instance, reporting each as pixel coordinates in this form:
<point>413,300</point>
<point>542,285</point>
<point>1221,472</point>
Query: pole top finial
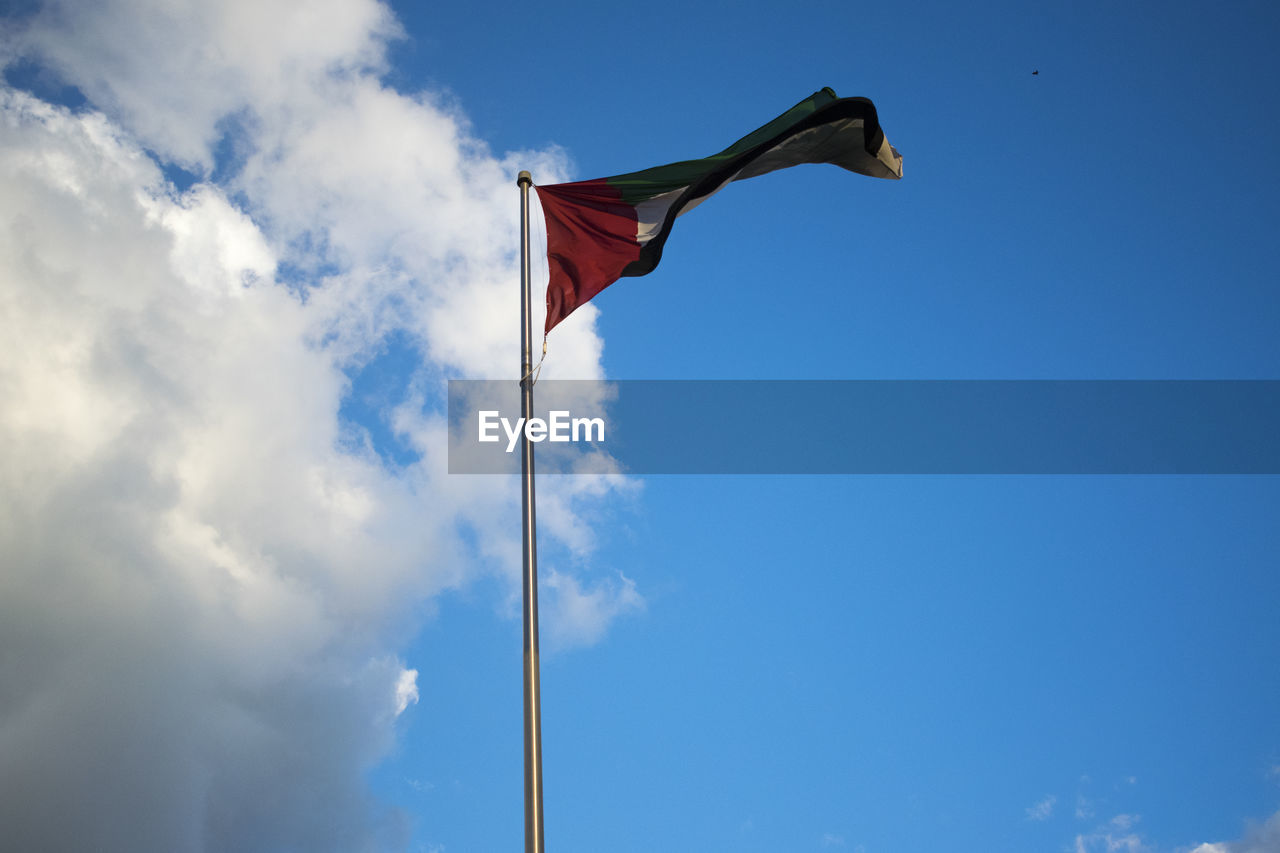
<point>524,178</point>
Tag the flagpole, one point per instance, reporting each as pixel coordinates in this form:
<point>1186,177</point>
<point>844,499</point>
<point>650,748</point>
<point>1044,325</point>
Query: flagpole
<point>532,697</point>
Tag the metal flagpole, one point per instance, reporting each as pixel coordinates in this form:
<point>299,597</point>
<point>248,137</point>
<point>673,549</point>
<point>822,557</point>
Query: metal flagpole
<point>532,698</point>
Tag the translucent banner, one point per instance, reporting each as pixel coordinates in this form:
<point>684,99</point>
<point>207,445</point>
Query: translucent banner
<point>869,427</point>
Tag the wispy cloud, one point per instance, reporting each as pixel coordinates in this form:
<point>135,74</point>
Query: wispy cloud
<point>1042,810</point>
<point>579,614</point>
<point>1116,836</point>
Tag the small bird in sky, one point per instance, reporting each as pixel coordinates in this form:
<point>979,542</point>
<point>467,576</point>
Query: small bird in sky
<point>1034,73</point>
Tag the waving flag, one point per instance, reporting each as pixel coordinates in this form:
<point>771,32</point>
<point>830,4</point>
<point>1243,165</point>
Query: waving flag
<point>601,230</point>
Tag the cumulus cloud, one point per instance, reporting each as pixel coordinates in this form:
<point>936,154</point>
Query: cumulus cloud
<point>175,72</point>
<point>208,572</point>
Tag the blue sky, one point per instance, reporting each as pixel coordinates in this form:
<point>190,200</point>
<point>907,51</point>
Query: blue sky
<point>242,251</point>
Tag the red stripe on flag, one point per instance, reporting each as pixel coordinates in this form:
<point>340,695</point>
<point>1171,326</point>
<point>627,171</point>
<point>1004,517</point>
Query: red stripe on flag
<point>591,238</point>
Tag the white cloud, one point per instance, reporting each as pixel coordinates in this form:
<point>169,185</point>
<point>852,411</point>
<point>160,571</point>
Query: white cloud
<point>576,615</point>
<point>406,690</point>
<point>1258,838</point>
<point>1113,837</point>
<point>1119,836</point>
<point>205,585</point>
<point>174,71</point>
<point>214,245</point>
<point>1042,810</point>
<point>186,604</point>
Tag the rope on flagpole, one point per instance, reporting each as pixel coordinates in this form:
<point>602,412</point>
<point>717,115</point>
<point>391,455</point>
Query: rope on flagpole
<point>536,370</point>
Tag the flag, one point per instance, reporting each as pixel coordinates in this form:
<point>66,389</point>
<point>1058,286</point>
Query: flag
<point>601,230</point>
